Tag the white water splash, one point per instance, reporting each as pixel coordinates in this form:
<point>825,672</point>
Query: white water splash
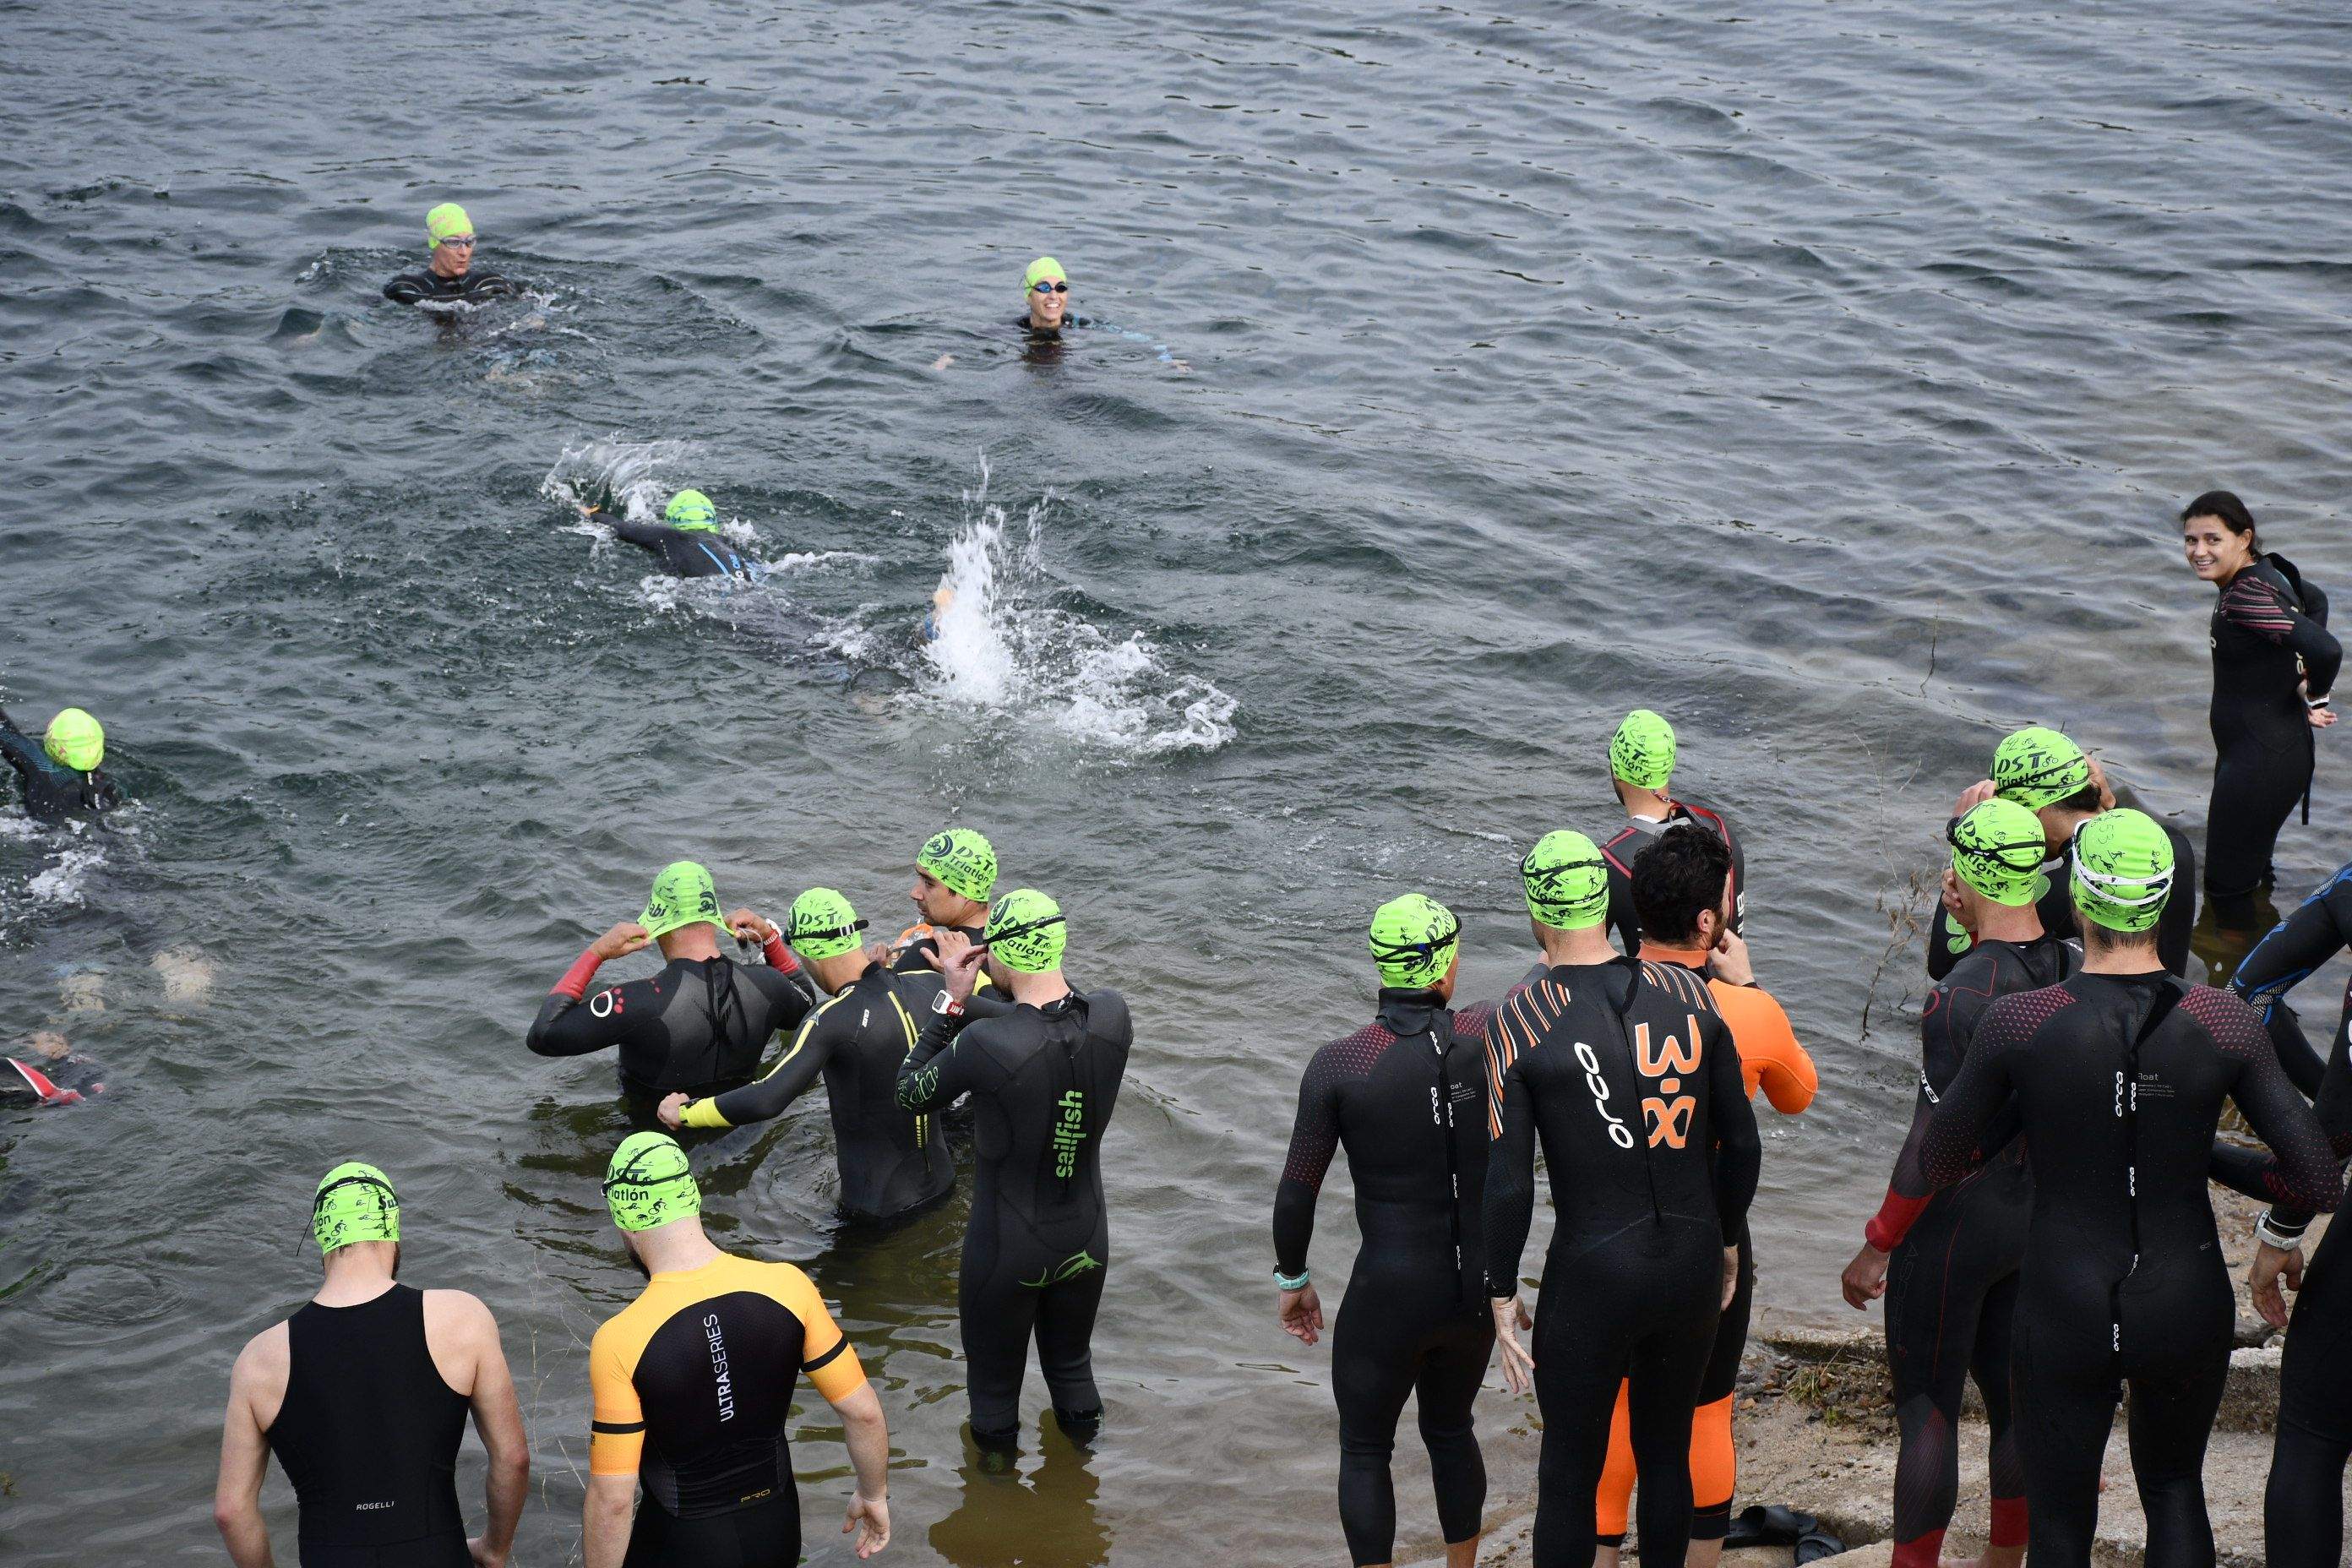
<point>1001,646</point>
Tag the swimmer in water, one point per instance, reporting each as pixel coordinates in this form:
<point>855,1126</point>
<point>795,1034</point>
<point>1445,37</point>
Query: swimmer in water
<point>686,539</point>
<point>450,275</point>
<point>1046,311</point>
<point>61,775</point>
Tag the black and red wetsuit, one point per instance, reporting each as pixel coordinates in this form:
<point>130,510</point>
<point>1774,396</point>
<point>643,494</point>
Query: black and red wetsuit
<point>699,1027</point>
<point>2270,636</point>
<point>1619,851</point>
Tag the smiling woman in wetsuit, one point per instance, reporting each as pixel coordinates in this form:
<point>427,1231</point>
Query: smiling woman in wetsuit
<point>450,275</point>
<point>2273,662</point>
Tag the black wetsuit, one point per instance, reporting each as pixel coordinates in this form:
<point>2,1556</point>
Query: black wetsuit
<point>53,792</point>
<point>699,1026</point>
<point>2270,632</point>
<point>1630,841</point>
<point>688,552</point>
<point>892,1164</point>
<point>1043,1083</point>
<point>920,957</point>
<point>1407,1094</point>
<point>2118,1082</point>
<point>1952,1281</point>
<point>416,287</point>
<point>369,1434</point>
<point>1631,1081</point>
<point>1947,940</point>
<point>2302,1510</point>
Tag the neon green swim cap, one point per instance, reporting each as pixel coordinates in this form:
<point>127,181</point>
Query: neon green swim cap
<point>1045,269</point>
<point>649,1183</point>
<point>691,510</point>
<point>682,896</point>
<point>2037,767</point>
<point>1998,850</point>
<point>354,1203</point>
<point>2123,869</point>
<point>75,738</point>
<point>822,924</point>
<point>1025,928</point>
<point>1642,751</point>
<point>963,862</point>
<point>1413,940</point>
<point>444,222</point>
<point>1567,881</point>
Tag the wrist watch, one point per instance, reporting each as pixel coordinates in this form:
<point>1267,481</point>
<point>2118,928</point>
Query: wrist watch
<point>946,1006</point>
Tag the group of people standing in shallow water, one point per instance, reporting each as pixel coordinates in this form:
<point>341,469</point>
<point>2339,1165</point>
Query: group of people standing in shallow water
<point>2046,1230</point>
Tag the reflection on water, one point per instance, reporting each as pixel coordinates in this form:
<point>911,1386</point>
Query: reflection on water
<point>1032,1510</point>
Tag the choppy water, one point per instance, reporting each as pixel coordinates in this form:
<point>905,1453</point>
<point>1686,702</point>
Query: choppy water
<point>1824,377</point>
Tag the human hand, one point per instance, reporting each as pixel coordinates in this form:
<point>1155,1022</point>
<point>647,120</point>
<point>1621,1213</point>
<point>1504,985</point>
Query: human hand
<point>2320,717</point>
<point>478,1549</point>
<point>958,959</point>
<point>622,940</point>
<point>1730,1277</point>
<point>1519,1367</point>
<point>1975,795</point>
<point>2262,1279</point>
<point>2099,778</point>
<point>1865,1279</point>
<point>1301,1313</point>
<point>1730,962</point>
<point>750,927</point>
<point>870,1516</point>
<point>672,1112</point>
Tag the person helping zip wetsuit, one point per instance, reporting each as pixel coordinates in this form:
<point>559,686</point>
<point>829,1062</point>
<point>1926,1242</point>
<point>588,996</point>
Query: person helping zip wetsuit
<point>2117,1076</point>
<point>1628,1076</point>
<point>1406,1095</point>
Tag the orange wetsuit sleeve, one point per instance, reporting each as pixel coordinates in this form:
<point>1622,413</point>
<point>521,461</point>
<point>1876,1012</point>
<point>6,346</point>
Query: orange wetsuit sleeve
<point>825,1354</point>
<point>1768,1052</point>
<point>616,1433</point>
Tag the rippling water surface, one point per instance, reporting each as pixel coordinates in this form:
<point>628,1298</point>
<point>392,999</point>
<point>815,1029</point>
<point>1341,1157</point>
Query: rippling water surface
<point>1824,377</point>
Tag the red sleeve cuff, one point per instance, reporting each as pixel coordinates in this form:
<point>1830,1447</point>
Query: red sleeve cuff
<point>575,980</point>
<point>779,956</point>
<point>1893,1221</point>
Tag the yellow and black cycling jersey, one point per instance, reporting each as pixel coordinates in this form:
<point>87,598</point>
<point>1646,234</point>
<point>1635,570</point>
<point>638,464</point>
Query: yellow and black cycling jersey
<point>694,1378</point>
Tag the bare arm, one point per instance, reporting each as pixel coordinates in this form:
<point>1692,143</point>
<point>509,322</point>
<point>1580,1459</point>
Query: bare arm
<point>498,1420</point>
<point>606,1518</point>
<point>868,1439</point>
<point>244,1457</point>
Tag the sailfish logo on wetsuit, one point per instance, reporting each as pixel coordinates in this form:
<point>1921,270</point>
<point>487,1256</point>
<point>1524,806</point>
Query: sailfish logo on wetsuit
<point>1069,1133</point>
<point>1669,1120</point>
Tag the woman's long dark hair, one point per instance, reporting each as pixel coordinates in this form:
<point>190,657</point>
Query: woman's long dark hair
<point>2226,506</point>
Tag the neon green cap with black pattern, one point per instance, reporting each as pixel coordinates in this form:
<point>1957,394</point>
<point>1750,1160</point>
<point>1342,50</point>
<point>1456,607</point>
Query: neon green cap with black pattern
<point>1413,940</point>
<point>75,738</point>
<point>650,1182</point>
<point>2037,767</point>
<point>354,1203</point>
<point>1567,881</point>
<point>445,222</point>
<point>961,861</point>
<point>1045,269</point>
<point>1998,850</point>
<point>1642,751</point>
<point>681,896</point>
<point>691,510</point>
<point>1025,928</point>
<point>821,925</point>
<point>2123,871</point>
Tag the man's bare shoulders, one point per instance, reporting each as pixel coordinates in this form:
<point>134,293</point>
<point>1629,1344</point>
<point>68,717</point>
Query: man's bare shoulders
<point>457,1329</point>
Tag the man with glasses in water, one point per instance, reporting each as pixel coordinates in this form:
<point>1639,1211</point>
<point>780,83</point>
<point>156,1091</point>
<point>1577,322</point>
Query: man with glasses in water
<point>450,275</point>
<point>364,1395</point>
<point>1046,311</point>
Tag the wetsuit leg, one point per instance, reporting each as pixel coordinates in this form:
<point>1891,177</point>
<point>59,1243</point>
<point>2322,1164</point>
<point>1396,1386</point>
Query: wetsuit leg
<point>2303,1505</point>
<point>2255,788</point>
<point>764,1535</point>
<point>997,1313</point>
<point>1065,1333</point>
<point>1714,1463</point>
<point>2065,1395</point>
<point>1668,1363</point>
<point>2303,1508</point>
<point>1931,1326</point>
<point>1453,1364</point>
<point>435,1552</point>
<point>2171,1420</point>
<point>1991,1364</point>
<point>1372,1367</point>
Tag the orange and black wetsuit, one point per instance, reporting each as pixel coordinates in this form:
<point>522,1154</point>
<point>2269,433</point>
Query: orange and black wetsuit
<point>692,1382</point>
<point>1628,841</point>
<point>1628,1075</point>
<point>1953,1276</point>
<point>1770,1057</point>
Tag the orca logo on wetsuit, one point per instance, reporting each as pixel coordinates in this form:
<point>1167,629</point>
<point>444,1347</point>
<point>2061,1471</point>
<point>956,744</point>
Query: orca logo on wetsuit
<point>1669,1121</point>
<point>1619,1134</point>
<point>606,1002</point>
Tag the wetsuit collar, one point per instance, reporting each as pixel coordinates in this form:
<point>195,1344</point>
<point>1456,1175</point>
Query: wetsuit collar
<point>1403,1012</point>
<point>1659,952</point>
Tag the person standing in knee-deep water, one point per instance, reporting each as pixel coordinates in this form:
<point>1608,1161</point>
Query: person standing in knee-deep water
<point>2049,775</point>
<point>450,275</point>
<point>2117,1076</point>
<point>700,1025</point>
<point>1044,1073</point>
<point>892,1164</point>
<point>1407,1096</point>
<point>2274,663</point>
<point>60,776</point>
<point>363,1395</point>
<point>1630,1078</point>
<point>693,1382</point>
<point>1640,770</point>
<point>1947,1262</point>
